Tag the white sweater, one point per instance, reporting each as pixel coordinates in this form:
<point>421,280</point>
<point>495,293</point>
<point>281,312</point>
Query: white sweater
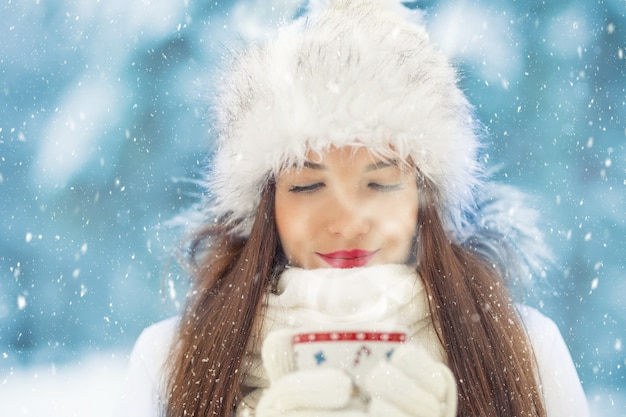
<point>387,296</point>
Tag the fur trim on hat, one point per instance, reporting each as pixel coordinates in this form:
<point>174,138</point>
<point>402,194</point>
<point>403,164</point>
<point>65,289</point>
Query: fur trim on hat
<point>347,73</point>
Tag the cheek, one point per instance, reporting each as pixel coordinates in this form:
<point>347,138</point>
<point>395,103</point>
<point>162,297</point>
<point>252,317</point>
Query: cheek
<point>293,223</point>
<point>400,228</point>
<point>288,233</point>
<point>284,219</point>
<point>401,222</point>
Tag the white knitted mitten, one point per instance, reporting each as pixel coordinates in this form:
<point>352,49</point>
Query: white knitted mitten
<point>411,384</point>
<point>301,393</point>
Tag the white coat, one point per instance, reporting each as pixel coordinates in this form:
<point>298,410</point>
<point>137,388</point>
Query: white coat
<point>563,393</point>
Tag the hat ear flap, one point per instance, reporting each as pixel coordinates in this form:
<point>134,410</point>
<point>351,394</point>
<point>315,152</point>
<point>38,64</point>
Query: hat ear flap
<point>506,234</point>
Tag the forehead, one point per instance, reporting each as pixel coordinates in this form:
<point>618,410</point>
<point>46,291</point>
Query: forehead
<point>350,156</point>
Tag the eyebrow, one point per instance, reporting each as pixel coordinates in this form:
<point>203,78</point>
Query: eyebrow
<point>369,168</point>
<point>314,165</point>
<point>380,165</point>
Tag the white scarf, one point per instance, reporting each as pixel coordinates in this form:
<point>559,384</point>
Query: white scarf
<point>379,297</point>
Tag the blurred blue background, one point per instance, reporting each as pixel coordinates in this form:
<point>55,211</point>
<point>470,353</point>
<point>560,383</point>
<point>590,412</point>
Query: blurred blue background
<point>103,133</point>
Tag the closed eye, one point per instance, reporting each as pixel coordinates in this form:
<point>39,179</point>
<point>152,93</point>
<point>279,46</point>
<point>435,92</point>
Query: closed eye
<point>384,187</point>
<point>306,188</point>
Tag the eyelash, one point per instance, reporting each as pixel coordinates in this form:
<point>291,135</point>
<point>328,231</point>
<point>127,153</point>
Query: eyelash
<point>306,188</point>
<point>318,185</point>
<point>381,187</point>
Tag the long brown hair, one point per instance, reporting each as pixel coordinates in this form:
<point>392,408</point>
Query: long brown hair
<point>487,347</point>
<point>476,321</point>
<point>204,372</point>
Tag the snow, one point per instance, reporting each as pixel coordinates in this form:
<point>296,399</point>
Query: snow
<point>87,387</point>
<point>72,136</point>
<point>484,38</point>
<point>103,130</point>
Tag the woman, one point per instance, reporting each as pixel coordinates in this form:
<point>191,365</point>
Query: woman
<point>348,187</point>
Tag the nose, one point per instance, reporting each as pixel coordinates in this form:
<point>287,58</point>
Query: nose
<point>347,217</point>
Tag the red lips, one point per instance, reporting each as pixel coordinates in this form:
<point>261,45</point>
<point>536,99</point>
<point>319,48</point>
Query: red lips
<point>347,258</point>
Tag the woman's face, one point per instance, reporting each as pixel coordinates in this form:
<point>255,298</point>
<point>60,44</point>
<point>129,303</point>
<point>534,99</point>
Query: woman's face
<point>346,209</point>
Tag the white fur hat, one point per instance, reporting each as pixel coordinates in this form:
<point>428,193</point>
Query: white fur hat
<point>349,72</point>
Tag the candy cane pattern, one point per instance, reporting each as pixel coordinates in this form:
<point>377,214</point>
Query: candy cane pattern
<point>364,350</point>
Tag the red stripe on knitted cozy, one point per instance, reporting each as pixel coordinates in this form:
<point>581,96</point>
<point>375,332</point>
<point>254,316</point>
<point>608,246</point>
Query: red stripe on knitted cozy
<point>349,337</point>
